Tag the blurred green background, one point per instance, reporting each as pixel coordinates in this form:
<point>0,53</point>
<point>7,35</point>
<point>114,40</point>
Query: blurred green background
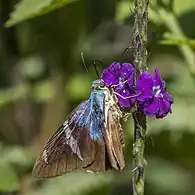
<point>42,79</point>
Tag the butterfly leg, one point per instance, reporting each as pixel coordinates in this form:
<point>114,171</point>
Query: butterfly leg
<point>128,97</point>
<point>120,83</point>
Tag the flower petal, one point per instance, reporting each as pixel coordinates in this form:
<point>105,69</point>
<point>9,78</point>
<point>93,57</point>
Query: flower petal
<point>153,108</point>
<point>129,74</point>
<point>118,73</point>
<point>145,83</point>
<point>109,78</point>
<point>127,70</point>
<point>164,108</point>
<point>168,97</point>
<point>157,79</point>
<point>124,97</point>
<point>144,98</point>
<point>115,69</point>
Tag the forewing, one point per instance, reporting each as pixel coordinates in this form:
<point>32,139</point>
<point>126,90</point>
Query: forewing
<point>78,142</point>
<point>62,153</point>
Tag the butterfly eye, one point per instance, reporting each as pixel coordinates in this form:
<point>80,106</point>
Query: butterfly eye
<point>98,84</point>
<point>102,84</point>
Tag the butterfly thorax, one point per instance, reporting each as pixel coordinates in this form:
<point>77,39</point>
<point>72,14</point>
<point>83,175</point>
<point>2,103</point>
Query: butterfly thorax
<point>110,97</point>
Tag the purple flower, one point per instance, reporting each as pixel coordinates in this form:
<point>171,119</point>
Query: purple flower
<point>120,78</point>
<point>154,99</point>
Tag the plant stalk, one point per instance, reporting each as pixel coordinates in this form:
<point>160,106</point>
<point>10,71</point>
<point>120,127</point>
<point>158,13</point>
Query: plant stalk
<point>140,56</point>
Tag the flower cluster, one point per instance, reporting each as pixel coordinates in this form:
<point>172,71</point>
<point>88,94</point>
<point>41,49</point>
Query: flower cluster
<point>149,91</point>
<point>120,77</point>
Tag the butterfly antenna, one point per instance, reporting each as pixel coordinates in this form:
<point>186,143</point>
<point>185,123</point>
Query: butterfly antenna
<point>83,61</point>
<point>126,50</point>
<point>96,70</point>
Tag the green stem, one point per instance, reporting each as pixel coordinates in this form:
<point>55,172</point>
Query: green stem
<point>140,58</point>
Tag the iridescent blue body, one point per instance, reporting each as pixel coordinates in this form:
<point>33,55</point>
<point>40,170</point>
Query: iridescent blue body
<point>90,138</point>
<point>96,106</point>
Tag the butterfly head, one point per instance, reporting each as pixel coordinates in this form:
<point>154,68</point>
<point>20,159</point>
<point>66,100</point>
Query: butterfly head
<point>98,84</point>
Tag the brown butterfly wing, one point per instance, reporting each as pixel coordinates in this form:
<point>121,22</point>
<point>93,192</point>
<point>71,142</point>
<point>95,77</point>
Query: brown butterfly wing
<point>58,158</point>
<point>115,138</point>
<point>71,147</point>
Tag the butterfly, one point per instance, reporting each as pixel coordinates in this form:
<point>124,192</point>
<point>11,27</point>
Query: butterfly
<point>91,138</point>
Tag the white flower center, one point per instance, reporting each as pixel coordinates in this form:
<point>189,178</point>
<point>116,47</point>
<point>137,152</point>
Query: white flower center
<point>121,81</point>
<point>157,91</point>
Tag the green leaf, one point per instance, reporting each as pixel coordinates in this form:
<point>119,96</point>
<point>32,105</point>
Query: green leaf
<point>27,9</point>
<point>172,39</point>
<point>182,7</point>
<point>8,178</point>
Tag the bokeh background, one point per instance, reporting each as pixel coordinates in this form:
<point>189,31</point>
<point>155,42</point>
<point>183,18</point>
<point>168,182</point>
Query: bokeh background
<point>42,78</point>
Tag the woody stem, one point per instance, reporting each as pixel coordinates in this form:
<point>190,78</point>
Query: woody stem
<point>140,58</point>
